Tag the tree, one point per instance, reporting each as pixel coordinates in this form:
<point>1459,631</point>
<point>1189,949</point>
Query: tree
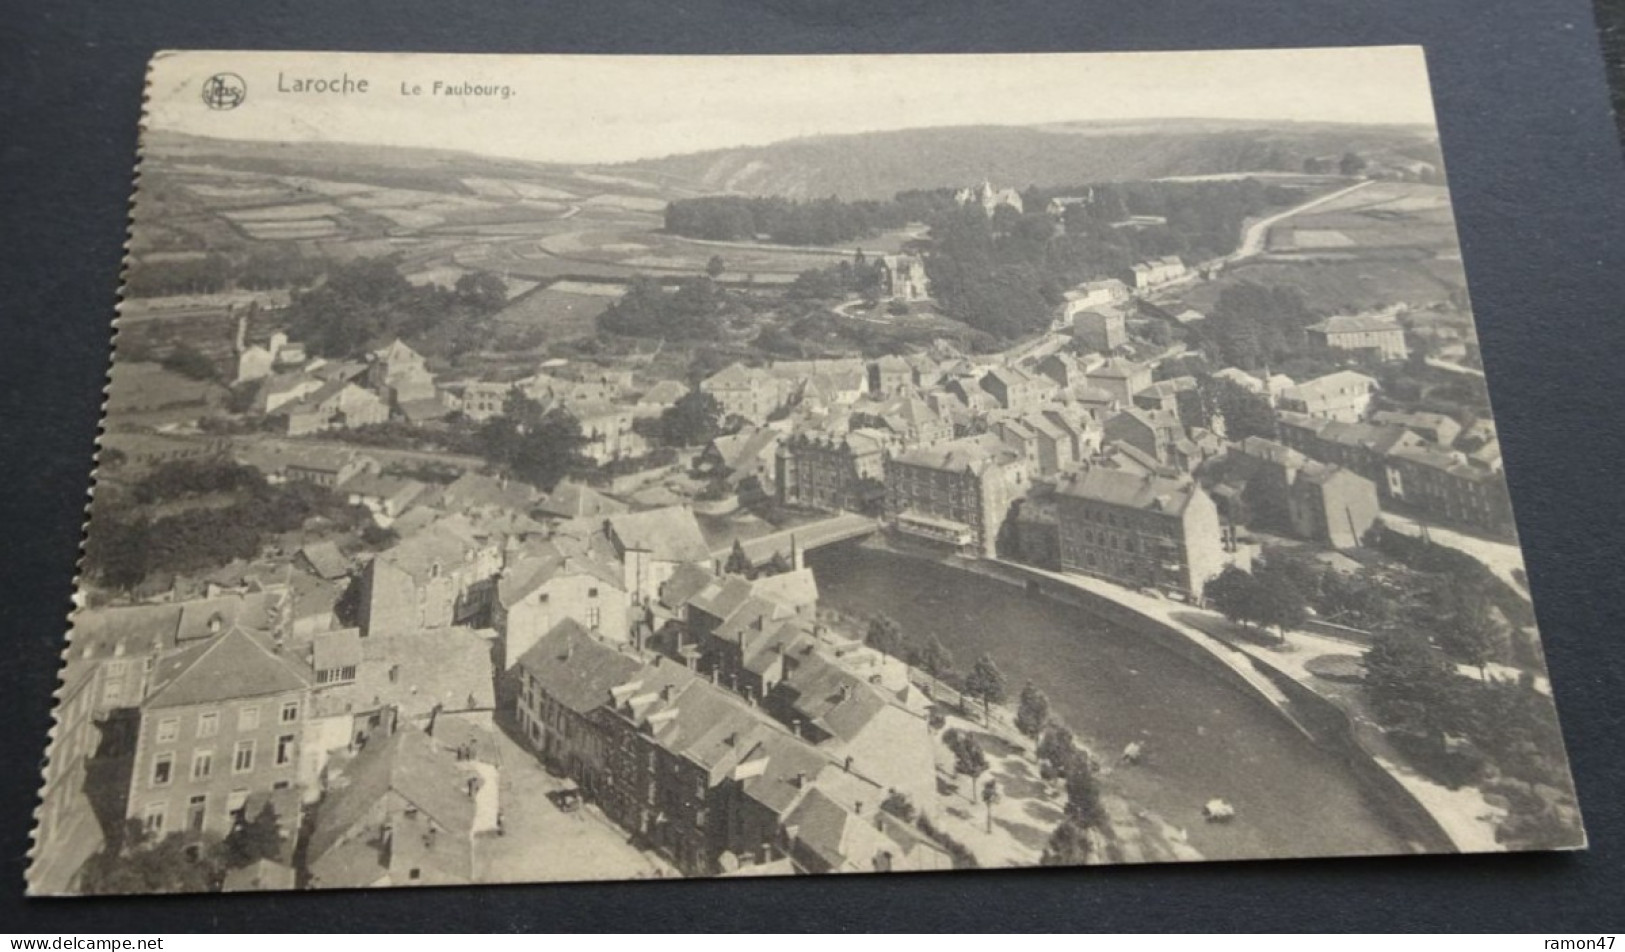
<point>1083,804</point>
<point>738,562</point>
<point>1413,688</point>
<point>969,758</point>
<point>540,446</point>
<point>715,267</point>
<point>252,840</point>
<point>931,656</point>
<point>1057,751</point>
<point>1282,602</point>
<point>482,291</point>
<point>885,636</point>
<point>1351,164</point>
<point>986,682</point>
<point>1070,845</point>
<point>134,863</point>
<point>1245,413</point>
<point>188,361</point>
<point>1235,594</point>
<point>990,796</point>
<point>1464,628</point>
<point>694,420</point>
<point>1032,711</point>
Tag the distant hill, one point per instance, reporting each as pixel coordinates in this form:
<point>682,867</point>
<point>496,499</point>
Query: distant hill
<point>880,164</point>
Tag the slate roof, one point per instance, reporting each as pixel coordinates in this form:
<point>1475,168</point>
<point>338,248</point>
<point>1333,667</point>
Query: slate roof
<point>325,559</point>
<point>408,763</point>
<point>573,500</point>
<point>670,534</point>
<point>1355,323</point>
<point>230,666</point>
<point>576,669</point>
<point>546,563</point>
<point>1149,492</point>
<point>975,453</point>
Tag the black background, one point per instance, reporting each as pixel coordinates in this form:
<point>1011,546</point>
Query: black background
<point>1537,179</point>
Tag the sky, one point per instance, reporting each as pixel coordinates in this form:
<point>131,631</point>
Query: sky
<point>593,109</point>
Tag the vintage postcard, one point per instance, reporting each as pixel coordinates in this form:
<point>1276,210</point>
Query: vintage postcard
<point>523,469</point>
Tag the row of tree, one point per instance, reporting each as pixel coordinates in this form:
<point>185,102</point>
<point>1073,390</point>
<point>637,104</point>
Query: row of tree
<point>825,221</point>
<point>263,268</point>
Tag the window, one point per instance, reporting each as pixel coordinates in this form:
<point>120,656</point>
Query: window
<point>202,764</point>
<point>163,769</point>
<point>290,709</point>
<point>208,724</point>
<point>243,760</point>
<point>592,593</point>
<point>152,818</point>
<point>248,718</point>
<point>594,616</point>
<point>196,808</point>
<point>168,729</point>
<point>284,750</point>
<point>236,801</point>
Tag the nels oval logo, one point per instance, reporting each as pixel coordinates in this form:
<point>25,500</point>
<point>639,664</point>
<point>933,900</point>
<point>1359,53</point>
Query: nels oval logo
<point>224,91</point>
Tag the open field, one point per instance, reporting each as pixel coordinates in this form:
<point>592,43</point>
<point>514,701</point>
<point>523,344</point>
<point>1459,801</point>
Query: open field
<point>563,315</point>
<point>1382,215</point>
<point>1348,285</point>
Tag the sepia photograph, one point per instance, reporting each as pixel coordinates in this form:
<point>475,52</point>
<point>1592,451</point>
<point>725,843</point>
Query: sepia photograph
<point>523,469</point>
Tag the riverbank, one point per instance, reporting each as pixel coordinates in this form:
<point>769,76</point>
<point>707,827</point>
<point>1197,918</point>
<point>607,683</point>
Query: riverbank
<point>1429,815</point>
<point>1014,830</point>
<point>1205,736</point>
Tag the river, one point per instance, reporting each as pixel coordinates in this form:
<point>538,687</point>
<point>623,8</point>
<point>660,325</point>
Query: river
<point>1204,738</point>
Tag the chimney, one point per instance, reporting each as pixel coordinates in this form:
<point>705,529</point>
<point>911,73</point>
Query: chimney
<point>800,781</point>
<point>666,693</point>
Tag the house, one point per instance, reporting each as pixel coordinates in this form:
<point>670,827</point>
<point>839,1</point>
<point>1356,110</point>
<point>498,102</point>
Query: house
<point>911,421</point>
<point>902,277</point>
<point>833,473</point>
<point>564,677</point>
<point>326,466</point>
<point>1344,395</point>
<point>472,493</point>
<point>438,577</point>
<point>1449,486</point>
<point>1289,492</point>
<point>1016,389</point>
<point>427,678</point>
<point>652,544</point>
<point>1098,329</point>
<point>989,198</point>
<point>324,560</point>
<point>399,375</point>
<point>279,390</point>
<point>891,375</point>
<point>1155,273</point>
<point>1107,293</point>
<point>957,493</point>
<point>1378,336</point>
<point>1120,377</point>
<point>740,458</point>
<point>608,430</point>
<point>384,496</point>
<point>222,720</point>
<point>478,400</point>
<point>67,831</point>
<point>543,588</point>
<point>1057,206</point>
<point>1140,531</point>
<point>572,500</point>
<point>404,812</point>
<point>1363,448</point>
<point>1156,433</point>
<point>1433,427</point>
<point>750,393</point>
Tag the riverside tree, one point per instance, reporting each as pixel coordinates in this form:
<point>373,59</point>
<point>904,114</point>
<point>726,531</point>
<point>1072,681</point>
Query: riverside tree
<point>1032,711</point>
<point>986,682</point>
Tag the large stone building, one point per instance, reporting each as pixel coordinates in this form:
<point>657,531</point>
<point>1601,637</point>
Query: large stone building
<point>1344,396</point>
<point>902,277</point>
<point>958,493</point>
<point>1378,336</point>
<point>1098,329</point>
<point>836,472</point>
<point>222,721</point>
<point>750,393</point>
<point>1140,530</point>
